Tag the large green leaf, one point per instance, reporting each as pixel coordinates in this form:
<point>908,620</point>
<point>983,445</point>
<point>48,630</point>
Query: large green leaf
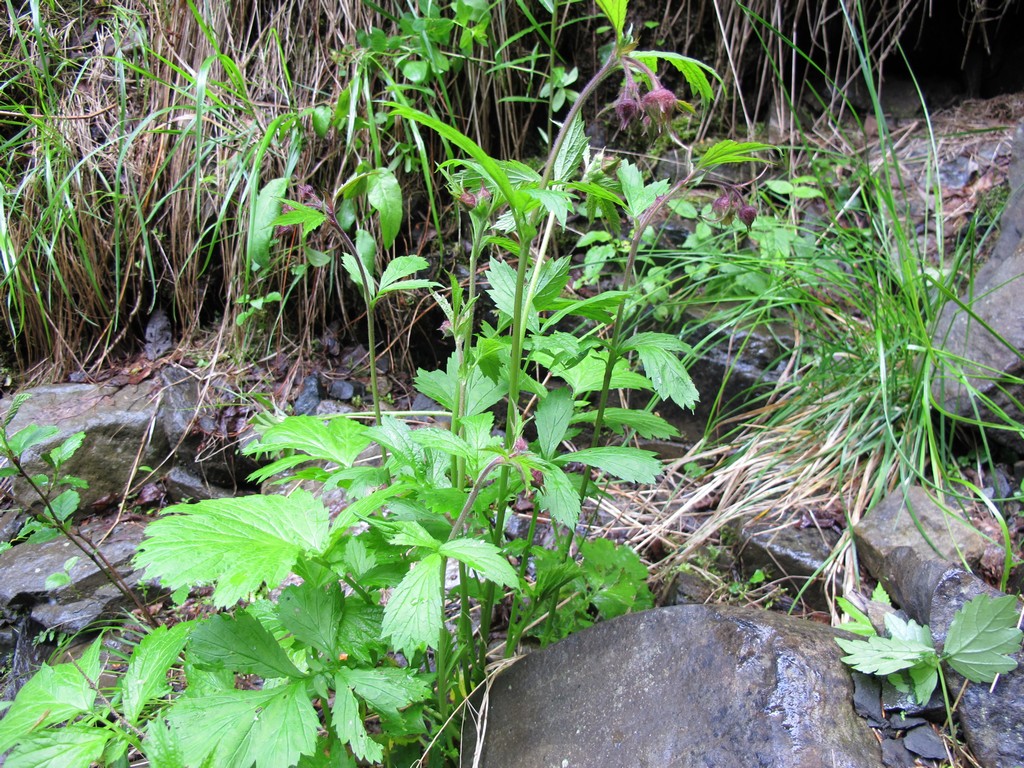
<point>630,464</point>
<point>348,724</point>
<point>982,634</point>
<point>236,544</point>
<point>659,354</point>
<point>385,689</point>
<point>552,420</point>
<point>885,655</point>
<point>313,614</point>
<point>261,222</point>
<point>484,558</point>
<point>560,497</point>
<point>399,268</point>
<point>384,195</point>
<point>412,617</point>
<point>236,729</point>
<point>76,746</point>
<point>243,645</point>
<point>146,676</point>
<point>52,695</point>
<point>615,12</point>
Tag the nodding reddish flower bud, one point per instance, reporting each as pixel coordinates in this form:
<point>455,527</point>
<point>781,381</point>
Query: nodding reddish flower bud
<point>519,447</point>
<point>309,196</point>
<point>660,105</point>
<point>747,214</point>
<point>472,199</point>
<point>626,109</point>
<point>722,205</point>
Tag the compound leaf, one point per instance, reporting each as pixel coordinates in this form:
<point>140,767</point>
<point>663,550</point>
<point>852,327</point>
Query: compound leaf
<point>236,544</point>
<point>982,634</point>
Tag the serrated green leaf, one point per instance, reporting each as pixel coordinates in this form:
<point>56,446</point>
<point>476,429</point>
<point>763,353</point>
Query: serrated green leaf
<point>552,420</point>
<point>444,440</point>
<point>30,437</point>
<point>385,689</point>
<point>695,72</point>
<point>360,630</point>
<point>19,400</point>
<point>665,370</point>
<point>312,614</point>
<point>76,746</point>
<point>348,725</point>
<point>58,455</point>
<point>630,464</point>
<point>909,631</point>
<point>161,746</point>
<point>885,655</point>
<point>339,441</point>
<point>639,196</point>
<point>411,534</point>
<point>982,634</point>
<point>555,202</point>
<point>484,558</point>
<point>924,678</point>
<point>401,267</point>
<point>235,729</point>
<point>66,504</point>
<point>412,617</point>
<point>301,215</point>
<point>615,12</point>
<point>242,644</point>
<point>261,222</point>
<point>570,154</point>
<point>146,677</point>
<point>859,623</point>
<point>559,497</point>
<point>384,194</point>
<point>442,386</point>
<point>51,695</point>
<point>646,424</point>
<point>237,544</point>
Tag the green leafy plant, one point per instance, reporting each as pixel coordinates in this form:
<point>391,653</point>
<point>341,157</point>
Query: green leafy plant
<point>982,634</point>
<point>371,653</point>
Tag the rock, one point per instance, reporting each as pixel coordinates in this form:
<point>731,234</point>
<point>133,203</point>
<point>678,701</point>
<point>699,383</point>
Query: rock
<point>691,685</point>
<point>200,450</point>
<point>121,434</point>
<point>310,396</point>
<point>969,373</point>
<point>931,591</point>
<point>88,597</point>
<point>796,554</point>
<point>891,525</point>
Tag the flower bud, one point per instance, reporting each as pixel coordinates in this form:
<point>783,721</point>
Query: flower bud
<point>722,205</point>
<point>747,214</point>
<point>660,105</point>
<point>626,109</point>
<point>308,196</point>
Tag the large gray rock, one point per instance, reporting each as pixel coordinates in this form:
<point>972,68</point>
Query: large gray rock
<point>121,435</point>
<point>898,521</point>
<point>88,597</point>
<point>985,340</point>
<point>691,685</point>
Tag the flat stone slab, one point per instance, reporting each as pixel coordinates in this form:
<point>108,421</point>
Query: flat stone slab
<point>690,685</point>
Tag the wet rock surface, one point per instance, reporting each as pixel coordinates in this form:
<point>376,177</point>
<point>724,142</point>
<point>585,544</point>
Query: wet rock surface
<point>119,423</point>
<point>89,595</point>
<point>931,590</point>
<point>985,336</point>
<point>898,521</point>
<point>691,685</point>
